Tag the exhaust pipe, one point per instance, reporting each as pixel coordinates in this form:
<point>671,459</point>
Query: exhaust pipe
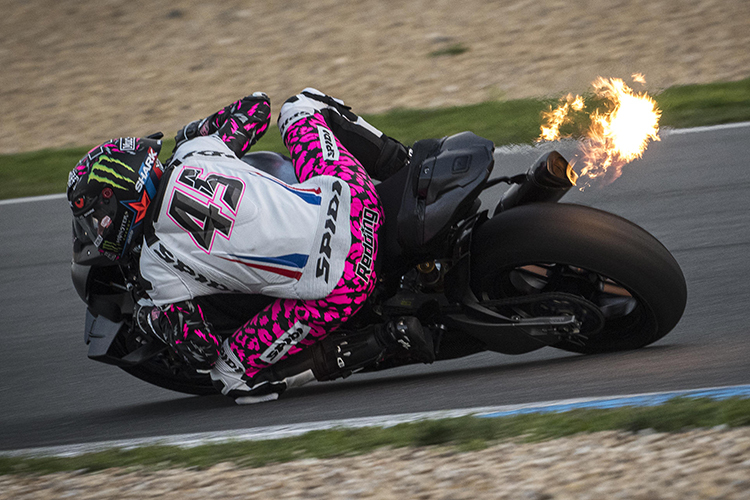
<point>547,180</point>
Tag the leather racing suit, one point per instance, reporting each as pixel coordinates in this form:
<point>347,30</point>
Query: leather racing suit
<point>221,226</point>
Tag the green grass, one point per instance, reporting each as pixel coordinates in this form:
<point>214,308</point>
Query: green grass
<point>37,172</point>
<point>462,434</point>
<point>451,50</point>
<point>504,122</point>
<point>699,105</point>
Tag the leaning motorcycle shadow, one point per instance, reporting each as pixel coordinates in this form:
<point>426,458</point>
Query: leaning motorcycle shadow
<point>421,378</point>
<point>564,368</point>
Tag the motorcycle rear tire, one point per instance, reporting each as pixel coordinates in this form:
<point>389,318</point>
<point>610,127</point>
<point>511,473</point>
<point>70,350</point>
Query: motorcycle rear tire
<point>595,244</point>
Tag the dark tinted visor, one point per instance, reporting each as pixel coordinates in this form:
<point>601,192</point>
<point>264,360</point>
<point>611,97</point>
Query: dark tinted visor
<point>98,223</point>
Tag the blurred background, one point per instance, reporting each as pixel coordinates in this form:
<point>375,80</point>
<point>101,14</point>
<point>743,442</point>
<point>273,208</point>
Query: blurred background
<point>75,72</point>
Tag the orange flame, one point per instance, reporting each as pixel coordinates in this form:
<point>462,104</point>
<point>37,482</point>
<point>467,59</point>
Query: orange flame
<point>620,135</point>
<point>560,116</point>
<point>638,78</point>
<point>617,135</point>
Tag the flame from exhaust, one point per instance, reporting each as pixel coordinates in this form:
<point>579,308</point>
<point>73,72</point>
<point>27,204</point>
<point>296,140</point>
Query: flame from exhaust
<point>620,135</point>
<point>617,135</point>
<point>558,117</point>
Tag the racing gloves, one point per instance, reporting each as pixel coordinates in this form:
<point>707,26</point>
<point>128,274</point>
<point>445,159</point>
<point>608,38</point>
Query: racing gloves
<point>240,125</point>
<point>182,327</point>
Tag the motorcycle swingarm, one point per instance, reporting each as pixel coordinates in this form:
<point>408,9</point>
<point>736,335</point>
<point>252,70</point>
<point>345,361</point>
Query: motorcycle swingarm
<point>511,335</point>
<point>101,333</point>
<point>514,335</point>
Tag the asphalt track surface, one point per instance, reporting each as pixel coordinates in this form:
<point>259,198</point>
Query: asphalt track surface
<point>691,190</point>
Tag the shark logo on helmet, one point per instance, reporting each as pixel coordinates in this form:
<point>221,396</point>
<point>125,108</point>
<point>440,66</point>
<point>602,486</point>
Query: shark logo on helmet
<point>146,167</point>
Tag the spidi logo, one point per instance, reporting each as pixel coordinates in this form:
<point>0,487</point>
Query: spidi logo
<point>281,345</point>
<point>145,170</point>
<point>323,266</point>
<point>328,144</point>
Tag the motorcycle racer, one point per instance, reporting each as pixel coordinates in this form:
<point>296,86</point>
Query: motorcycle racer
<point>209,223</point>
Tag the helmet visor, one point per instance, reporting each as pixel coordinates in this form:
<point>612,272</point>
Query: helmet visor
<point>98,223</point>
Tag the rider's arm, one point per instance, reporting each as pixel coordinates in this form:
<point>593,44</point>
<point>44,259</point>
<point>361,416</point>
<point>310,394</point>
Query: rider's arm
<point>184,328</point>
<point>239,125</point>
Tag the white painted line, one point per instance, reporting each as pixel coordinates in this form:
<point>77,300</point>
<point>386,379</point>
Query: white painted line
<point>647,399</point>
<point>541,147</point>
<point>697,130</point>
<point>291,430</point>
<point>32,199</point>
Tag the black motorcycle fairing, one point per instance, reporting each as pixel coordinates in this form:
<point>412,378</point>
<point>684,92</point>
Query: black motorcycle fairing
<point>441,189</point>
<point>438,188</point>
<point>101,335</point>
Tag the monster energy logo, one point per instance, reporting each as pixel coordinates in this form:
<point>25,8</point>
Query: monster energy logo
<point>104,168</point>
<point>112,247</point>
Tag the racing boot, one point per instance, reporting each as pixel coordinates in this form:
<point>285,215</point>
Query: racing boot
<point>407,339</point>
<point>343,353</point>
<point>228,376</point>
<point>380,155</point>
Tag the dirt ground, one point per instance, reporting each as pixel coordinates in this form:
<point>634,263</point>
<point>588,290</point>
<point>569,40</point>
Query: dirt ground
<point>79,72</point>
<point>699,464</point>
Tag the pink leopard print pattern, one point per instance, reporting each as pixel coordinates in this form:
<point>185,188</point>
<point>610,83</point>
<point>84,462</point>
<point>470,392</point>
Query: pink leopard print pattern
<point>254,111</point>
<point>325,315</point>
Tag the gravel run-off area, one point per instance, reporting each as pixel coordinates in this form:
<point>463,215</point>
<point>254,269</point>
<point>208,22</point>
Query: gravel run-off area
<point>77,73</point>
<point>698,464</point>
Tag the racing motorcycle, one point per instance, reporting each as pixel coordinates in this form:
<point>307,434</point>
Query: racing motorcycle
<point>525,274</point>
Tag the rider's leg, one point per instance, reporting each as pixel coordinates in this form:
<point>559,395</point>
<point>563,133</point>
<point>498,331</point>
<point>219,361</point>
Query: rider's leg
<point>380,155</point>
<point>287,326</point>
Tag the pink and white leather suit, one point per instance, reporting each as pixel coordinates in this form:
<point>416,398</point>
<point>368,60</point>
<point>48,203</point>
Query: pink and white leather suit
<point>225,227</point>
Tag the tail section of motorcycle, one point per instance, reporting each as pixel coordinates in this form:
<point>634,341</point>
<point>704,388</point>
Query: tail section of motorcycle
<point>423,201</point>
<point>534,274</point>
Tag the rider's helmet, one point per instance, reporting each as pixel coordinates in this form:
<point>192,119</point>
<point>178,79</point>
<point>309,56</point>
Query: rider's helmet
<point>111,188</point>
